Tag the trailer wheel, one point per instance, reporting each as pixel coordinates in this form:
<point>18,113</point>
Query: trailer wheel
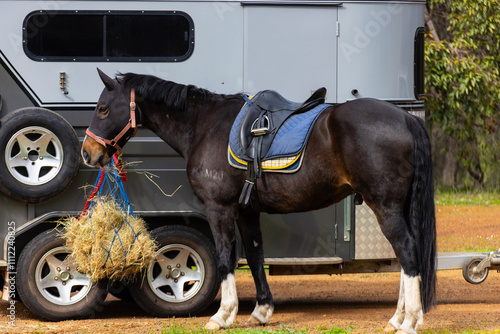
<point>471,274</point>
<point>119,289</point>
<point>39,155</point>
<point>49,284</point>
<point>183,279</point>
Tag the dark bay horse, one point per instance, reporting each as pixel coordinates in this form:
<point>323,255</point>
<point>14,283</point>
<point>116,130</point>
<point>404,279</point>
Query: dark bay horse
<point>368,147</point>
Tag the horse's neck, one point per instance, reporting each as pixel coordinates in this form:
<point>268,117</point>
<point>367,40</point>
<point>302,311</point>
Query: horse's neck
<point>168,126</point>
<point>184,129</point>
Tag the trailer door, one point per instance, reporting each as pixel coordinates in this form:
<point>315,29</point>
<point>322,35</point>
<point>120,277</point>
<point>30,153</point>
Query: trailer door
<point>290,48</point>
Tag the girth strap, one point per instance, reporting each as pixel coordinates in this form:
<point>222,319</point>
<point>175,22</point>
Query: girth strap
<point>249,192</point>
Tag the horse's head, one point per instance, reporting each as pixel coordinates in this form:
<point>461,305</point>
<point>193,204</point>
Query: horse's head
<point>113,123</point>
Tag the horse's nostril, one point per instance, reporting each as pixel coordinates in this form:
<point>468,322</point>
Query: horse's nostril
<point>86,156</point>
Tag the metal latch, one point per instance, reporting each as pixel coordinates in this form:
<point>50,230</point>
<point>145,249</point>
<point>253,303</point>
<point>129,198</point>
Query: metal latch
<point>347,218</point>
<point>62,82</point>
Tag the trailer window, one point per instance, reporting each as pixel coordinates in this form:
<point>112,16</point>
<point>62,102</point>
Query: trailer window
<point>108,36</point>
<point>418,71</point>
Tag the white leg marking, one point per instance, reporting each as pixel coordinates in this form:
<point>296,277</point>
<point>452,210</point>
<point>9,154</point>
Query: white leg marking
<point>398,317</point>
<point>263,313</point>
<point>414,315</point>
<point>228,304</point>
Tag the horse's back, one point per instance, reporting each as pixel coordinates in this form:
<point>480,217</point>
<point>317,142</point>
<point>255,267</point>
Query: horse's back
<point>368,112</point>
<point>371,121</point>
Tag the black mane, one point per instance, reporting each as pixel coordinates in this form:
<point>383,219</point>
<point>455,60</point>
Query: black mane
<point>169,93</point>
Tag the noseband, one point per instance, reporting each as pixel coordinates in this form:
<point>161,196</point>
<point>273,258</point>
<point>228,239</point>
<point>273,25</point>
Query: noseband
<point>130,125</point>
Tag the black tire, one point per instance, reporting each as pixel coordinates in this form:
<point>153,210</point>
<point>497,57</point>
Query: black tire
<point>166,299</point>
<point>119,289</point>
<point>44,273</point>
<point>470,273</point>
<point>39,155</point>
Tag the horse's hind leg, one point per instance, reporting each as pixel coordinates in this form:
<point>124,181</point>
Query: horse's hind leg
<point>222,224</point>
<point>414,316</point>
<point>409,312</point>
<point>398,317</point>
<point>249,225</point>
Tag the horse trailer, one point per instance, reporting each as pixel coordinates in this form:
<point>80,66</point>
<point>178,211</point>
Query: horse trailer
<point>49,52</point>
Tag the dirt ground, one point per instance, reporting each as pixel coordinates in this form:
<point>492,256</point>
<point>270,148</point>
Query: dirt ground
<point>362,303</point>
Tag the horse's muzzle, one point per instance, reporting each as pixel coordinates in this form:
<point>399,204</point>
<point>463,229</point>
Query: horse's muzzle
<point>94,154</point>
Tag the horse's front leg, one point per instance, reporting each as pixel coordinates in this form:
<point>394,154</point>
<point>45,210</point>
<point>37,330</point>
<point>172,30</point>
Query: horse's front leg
<point>228,305</point>
<point>249,225</point>
<point>221,221</point>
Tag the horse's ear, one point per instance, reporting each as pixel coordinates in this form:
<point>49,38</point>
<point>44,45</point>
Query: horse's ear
<point>106,80</point>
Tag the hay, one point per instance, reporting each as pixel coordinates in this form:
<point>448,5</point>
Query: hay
<point>107,242</point>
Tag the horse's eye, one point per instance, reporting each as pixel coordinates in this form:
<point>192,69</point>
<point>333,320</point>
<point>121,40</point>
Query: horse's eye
<point>102,111</point>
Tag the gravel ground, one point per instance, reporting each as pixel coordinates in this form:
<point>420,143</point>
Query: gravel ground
<point>362,303</point>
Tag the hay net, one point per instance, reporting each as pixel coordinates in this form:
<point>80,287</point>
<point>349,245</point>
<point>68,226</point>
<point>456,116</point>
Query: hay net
<point>108,240</point>
<point>109,186</point>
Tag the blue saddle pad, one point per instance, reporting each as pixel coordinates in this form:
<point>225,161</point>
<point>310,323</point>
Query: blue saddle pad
<point>289,141</point>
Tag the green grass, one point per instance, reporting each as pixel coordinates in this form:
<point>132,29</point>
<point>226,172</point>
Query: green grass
<point>466,197</point>
<point>176,328</point>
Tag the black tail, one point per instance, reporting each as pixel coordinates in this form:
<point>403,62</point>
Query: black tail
<point>422,212</point>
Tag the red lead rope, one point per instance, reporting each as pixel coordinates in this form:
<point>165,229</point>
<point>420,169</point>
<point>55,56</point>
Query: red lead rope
<point>119,167</point>
<point>121,172</point>
<point>101,178</point>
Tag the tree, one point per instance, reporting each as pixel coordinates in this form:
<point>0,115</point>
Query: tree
<point>462,61</point>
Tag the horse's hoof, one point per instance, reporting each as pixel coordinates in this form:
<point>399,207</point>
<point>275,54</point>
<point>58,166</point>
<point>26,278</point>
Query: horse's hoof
<point>212,326</point>
<point>252,321</point>
<point>389,328</point>
<point>401,332</point>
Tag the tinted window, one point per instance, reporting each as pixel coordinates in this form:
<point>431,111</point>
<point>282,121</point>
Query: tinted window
<point>108,36</point>
<point>419,63</point>
<point>147,36</point>
<point>65,35</point>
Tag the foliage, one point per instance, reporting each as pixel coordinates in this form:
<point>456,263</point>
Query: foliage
<point>463,78</point>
